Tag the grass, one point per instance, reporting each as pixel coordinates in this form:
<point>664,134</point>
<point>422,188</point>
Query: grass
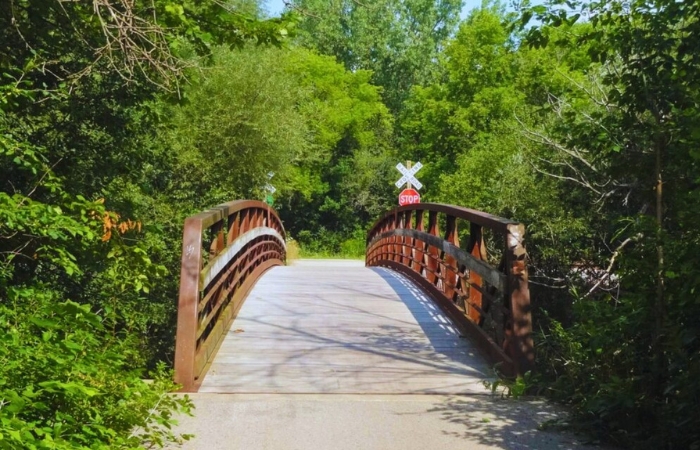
<point>353,248</point>
<point>293,250</point>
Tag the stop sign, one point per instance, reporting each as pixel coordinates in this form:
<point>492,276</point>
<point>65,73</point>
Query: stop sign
<point>409,197</point>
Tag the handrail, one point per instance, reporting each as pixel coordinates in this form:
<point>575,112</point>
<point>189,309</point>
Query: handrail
<point>489,303</point>
<point>224,252</point>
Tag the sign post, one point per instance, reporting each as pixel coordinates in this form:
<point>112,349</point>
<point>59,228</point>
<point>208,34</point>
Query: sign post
<point>409,195</point>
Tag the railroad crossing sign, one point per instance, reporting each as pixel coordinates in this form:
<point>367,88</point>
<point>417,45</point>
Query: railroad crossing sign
<point>408,175</point>
<point>270,189</point>
<point>409,197</point>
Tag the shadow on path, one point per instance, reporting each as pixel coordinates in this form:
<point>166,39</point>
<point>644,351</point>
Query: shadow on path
<point>437,327</point>
<point>507,423</point>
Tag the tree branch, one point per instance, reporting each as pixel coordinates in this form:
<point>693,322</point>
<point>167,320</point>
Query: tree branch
<point>608,271</point>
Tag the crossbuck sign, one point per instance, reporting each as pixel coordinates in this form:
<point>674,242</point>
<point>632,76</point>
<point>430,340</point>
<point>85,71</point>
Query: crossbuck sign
<point>268,187</point>
<point>408,175</point>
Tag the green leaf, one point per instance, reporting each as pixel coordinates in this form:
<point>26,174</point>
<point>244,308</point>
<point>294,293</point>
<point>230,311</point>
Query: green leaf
<point>42,322</point>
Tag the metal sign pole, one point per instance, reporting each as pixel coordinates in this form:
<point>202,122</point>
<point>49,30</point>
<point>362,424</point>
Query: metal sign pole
<point>409,163</point>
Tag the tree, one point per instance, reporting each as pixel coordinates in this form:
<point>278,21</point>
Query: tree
<point>340,182</point>
<point>443,120</point>
<point>240,121</point>
<point>398,40</point>
<point>641,142</point>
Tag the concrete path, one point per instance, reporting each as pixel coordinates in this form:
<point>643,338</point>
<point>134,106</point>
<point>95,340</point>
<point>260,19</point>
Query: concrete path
<point>370,422</point>
<point>333,355</point>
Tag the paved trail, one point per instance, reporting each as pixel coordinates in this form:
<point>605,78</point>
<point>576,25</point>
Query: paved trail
<point>329,354</point>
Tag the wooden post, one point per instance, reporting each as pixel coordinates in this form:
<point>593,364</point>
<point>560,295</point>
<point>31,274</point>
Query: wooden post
<point>451,269</point>
<point>520,347</point>
<point>187,317</point>
<point>477,249</point>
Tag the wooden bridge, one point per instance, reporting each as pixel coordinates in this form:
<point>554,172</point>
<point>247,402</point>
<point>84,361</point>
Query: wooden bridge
<point>424,315</point>
<point>429,312</point>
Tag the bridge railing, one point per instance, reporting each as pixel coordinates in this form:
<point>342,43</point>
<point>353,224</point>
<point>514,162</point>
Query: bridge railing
<point>224,252</point>
<point>486,295</point>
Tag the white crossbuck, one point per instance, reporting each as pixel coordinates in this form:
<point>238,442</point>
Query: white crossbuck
<point>408,175</point>
<point>268,187</point>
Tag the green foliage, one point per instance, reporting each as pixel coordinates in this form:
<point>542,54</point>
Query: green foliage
<point>327,244</point>
<point>632,374</point>
<point>79,317</point>
<point>342,180</point>
<point>322,130</point>
<point>516,388</point>
<point>442,120</point>
<point>398,40</point>
<point>471,132</point>
<point>68,376</point>
<point>239,121</point>
<point>67,382</point>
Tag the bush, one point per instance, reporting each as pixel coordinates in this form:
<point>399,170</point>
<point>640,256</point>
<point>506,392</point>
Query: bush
<point>328,244</point>
<point>69,372</point>
<point>66,383</point>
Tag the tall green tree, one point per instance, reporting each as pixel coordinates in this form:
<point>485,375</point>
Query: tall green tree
<point>444,119</point>
<point>77,123</point>
<point>637,148</point>
<point>398,40</point>
<point>473,133</point>
<point>240,120</point>
<point>341,182</point>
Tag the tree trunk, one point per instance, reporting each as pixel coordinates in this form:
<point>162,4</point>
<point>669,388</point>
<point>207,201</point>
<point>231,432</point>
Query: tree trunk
<point>659,310</point>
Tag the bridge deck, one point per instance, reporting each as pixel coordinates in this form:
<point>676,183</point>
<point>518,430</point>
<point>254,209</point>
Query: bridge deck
<point>338,327</point>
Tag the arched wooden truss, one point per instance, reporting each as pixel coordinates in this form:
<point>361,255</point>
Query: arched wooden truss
<point>224,252</point>
<point>490,301</point>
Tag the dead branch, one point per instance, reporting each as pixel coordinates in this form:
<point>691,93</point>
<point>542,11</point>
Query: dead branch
<point>608,271</point>
<point>604,102</point>
<point>541,138</point>
<point>581,182</point>
<point>132,46</point>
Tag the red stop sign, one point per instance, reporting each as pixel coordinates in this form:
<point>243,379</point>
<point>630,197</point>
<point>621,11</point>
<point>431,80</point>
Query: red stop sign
<point>409,197</point>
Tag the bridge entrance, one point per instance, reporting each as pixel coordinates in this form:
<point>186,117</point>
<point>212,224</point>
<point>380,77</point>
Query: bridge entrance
<point>385,353</point>
<point>422,314</point>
